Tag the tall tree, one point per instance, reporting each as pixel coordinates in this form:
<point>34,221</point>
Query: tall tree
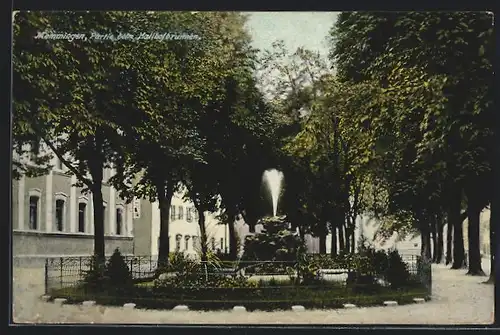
<point>66,95</point>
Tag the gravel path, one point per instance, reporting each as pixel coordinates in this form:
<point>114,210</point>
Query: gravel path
<point>457,299</point>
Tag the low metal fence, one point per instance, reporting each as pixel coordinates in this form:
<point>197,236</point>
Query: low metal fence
<point>65,272</point>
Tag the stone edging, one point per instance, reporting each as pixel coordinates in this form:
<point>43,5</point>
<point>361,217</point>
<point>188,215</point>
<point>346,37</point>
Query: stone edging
<point>184,308</point>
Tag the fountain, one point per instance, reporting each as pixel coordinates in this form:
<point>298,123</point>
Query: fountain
<point>273,178</point>
<point>273,239</point>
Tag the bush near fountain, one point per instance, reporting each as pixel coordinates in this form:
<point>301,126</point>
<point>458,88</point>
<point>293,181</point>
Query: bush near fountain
<point>274,243</point>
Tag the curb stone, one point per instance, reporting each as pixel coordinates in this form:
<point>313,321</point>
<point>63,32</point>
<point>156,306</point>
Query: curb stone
<point>129,305</point>
<point>349,306</point>
<point>419,300</point>
<point>239,309</point>
<point>181,308</point>
<point>298,308</point>
<point>390,303</point>
<point>89,303</point>
<point>60,301</point>
<point>45,298</point>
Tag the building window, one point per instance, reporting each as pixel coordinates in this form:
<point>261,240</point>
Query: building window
<point>181,213</point>
<point>222,243</point>
<point>195,214</point>
<point>82,210</point>
<point>119,221</point>
<point>178,238</point>
<point>212,242</point>
<point>196,243</point>
<point>60,214</point>
<point>59,164</point>
<point>189,214</point>
<point>172,212</point>
<point>34,150</point>
<point>34,203</point>
<point>186,242</point>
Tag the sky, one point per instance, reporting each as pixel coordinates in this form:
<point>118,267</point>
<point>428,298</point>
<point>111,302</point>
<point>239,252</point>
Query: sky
<point>297,29</point>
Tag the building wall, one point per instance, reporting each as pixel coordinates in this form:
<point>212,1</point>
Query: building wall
<point>41,244</point>
<point>142,229</point>
<point>179,226</point>
<point>47,240</point>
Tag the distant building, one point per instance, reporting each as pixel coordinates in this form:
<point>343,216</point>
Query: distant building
<point>184,231</point>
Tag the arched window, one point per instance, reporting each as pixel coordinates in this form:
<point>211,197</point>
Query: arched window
<point>181,213</point>
<point>60,210</point>
<point>104,215</point>
<point>60,204</point>
<point>196,241</point>
<point>189,214</point>
<point>119,221</point>
<point>59,164</point>
<point>34,209</point>
<point>82,211</point>
<point>178,238</point>
<point>172,212</point>
<point>186,242</point>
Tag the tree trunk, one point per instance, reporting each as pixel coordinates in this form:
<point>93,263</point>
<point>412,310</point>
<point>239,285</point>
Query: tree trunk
<point>454,218</point>
<point>97,201</point>
<point>233,245</point>
<point>347,238</point>
<point>164,194</point>
<point>333,242</point>
<point>475,268</point>
<point>433,234</point>
<point>203,233</point>
<point>353,240</point>
<point>449,243</point>
<point>322,243</point>
<point>96,168</point>
<point>341,238</point>
<point>440,242</point>
<point>425,249</point>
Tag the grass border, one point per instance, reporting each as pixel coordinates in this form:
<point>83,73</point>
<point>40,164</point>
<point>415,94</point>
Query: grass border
<point>75,295</point>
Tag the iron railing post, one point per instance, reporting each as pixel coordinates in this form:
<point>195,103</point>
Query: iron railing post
<point>46,276</point>
<point>132,267</point>
<point>61,272</point>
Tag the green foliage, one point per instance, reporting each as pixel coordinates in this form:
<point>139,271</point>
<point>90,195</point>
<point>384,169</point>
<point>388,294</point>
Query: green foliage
<point>94,279</point>
<point>427,128</point>
<point>117,272</point>
<point>397,273</point>
<point>189,273</point>
<point>274,243</point>
<point>113,275</point>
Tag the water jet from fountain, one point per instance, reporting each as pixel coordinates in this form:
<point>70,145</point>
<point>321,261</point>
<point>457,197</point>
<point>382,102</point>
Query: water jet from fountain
<point>273,178</point>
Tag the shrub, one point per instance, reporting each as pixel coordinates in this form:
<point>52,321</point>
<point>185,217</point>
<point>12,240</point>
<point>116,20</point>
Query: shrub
<point>94,279</point>
<point>274,243</point>
<point>117,273</point>
<point>397,273</point>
